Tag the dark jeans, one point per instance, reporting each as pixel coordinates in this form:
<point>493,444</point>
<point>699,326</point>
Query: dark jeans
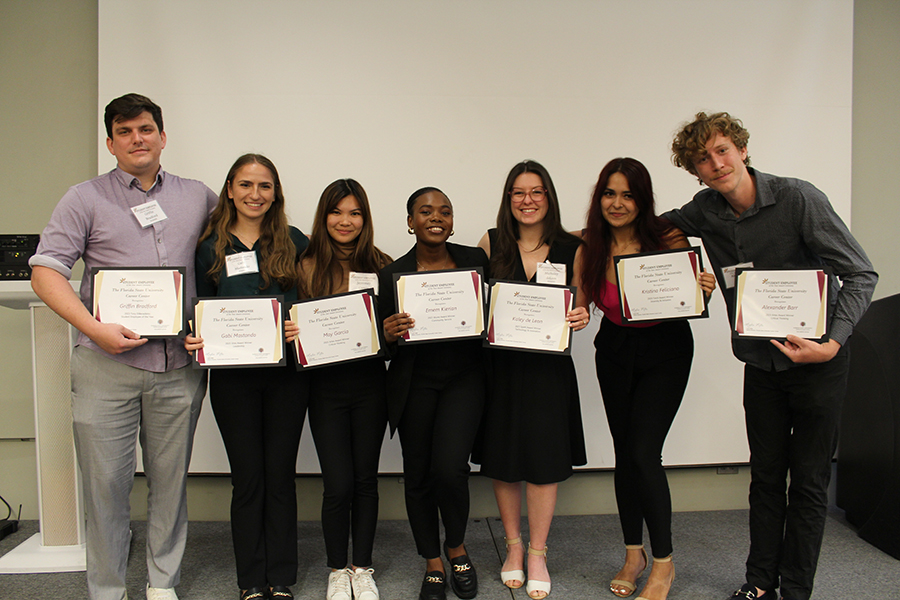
<point>437,431</point>
<point>348,417</point>
<point>260,413</point>
<point>792,426</point>
<point>643,373</point>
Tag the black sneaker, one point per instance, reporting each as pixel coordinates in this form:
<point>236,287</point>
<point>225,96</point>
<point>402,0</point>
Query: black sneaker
<point>433,587</point>
<point>749,592</point>
<point>463,579</point>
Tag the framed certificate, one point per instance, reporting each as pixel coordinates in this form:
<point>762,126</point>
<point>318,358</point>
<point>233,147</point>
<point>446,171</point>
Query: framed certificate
<point>245,331</point>
<point>657,286</point>
<point>530,317</point>
<point>335,329</point>
<point>446,305</point>
<point>771,303</point>
<point>147,300</point>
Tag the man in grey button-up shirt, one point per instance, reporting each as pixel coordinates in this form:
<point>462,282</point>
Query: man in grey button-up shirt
<point>124,385</point>
<point>793,390</point>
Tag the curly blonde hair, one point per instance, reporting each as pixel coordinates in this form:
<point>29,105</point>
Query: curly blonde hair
<point>690,143</point>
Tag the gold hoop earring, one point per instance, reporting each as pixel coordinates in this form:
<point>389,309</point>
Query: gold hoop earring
<point>410,230</point>
<point>452,232</point>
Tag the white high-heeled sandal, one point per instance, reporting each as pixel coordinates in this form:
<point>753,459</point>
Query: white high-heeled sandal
<point>535,586</point>
<point>515,574</point>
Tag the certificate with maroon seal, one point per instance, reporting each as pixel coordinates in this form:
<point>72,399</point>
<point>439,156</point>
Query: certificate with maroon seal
<point>333,329</point>
<point>445,304</point>
<point>656,286</point>
<point>530,317</point>
<point>771,304</point>
<point>147,300</point>
<point>239,331</point>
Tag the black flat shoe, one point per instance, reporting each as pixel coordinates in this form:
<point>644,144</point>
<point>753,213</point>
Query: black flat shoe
<point>254,593</point>
<point>433,587</point>
<point>280,592</point>
<point>748,592</point>
<point>463,579</point>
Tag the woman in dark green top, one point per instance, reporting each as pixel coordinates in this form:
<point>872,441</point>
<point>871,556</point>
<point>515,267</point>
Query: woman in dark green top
<point>260,411</point>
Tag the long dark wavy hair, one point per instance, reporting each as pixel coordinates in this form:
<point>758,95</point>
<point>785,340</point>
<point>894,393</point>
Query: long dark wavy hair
<point>321,256</point>
<point>652,232</point>
<point>277,254</point>
<point>505,252</point>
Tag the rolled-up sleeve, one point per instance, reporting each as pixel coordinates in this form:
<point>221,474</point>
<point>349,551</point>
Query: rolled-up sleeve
<point>66,235</point>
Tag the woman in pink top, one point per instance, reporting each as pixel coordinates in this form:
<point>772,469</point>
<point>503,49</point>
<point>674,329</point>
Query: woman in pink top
<point>642,368</point>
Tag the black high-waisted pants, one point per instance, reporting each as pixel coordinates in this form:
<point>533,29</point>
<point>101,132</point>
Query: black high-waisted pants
<point>643,372</point>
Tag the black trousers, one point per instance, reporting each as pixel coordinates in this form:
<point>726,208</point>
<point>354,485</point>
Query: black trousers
<point>437,431</point>
<point>348,418</point>
<point>260,414</point>
<point>643,372</point>
<point>792,427</point>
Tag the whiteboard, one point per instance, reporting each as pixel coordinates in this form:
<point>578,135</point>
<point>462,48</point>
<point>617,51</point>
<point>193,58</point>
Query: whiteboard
<point>399,94</point>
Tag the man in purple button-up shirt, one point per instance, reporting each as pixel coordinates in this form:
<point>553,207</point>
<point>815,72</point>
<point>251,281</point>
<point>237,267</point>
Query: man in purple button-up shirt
<point>124,385</point>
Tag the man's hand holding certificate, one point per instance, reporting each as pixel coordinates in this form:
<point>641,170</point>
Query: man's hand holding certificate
<point>147,300</point>
<point>775,304</point>
<point>239,332</point>
<point>530,317</point>
<point>444,304</point>
<point>335,329</point>
<point>661,285</point>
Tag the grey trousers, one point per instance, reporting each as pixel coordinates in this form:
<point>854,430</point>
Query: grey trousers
<point>113,404</point>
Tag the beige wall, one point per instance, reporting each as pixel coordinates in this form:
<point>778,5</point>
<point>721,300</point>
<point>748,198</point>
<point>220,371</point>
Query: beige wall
<point>48,120</point>
<point>876,136</point>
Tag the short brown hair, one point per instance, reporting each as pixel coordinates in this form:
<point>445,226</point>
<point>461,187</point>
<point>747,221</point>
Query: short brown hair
<point>690,143</point>
<point>128,107</point>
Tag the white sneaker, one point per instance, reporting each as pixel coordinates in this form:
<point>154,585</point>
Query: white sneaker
<point>364,587</point>
<point>339,587</point>
<point>161,593</point>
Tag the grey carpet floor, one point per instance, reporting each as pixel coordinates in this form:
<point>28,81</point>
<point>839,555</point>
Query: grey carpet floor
<point>584,554</point>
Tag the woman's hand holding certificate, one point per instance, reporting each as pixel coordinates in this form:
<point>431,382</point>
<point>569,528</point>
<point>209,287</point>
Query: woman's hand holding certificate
<point>661,285</point>
<point>335,329</point>
<point>444,304</point>
<point>530,317</point>
<point>239,332</point>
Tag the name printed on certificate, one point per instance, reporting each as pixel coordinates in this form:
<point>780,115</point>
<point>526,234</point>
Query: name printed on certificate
<point>336,329</point>
<point>774,303</point>
<point>530,317</point>
<point>239,332</point>
<point>656,286</point>
<point>147,300</point>
<point>445,304</point>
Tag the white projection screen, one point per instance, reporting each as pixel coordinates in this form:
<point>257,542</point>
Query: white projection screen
<point>400,94</point>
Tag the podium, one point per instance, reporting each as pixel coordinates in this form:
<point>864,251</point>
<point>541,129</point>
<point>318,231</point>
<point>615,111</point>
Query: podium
<point>59,546</point>
<point>868,469</point>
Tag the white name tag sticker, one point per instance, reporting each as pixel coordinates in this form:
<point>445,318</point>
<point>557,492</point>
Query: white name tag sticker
<point>363,281</point>
<point>728,273</point>
<point>551,273</point>
<point>241,263</point>
<point>149,213</point>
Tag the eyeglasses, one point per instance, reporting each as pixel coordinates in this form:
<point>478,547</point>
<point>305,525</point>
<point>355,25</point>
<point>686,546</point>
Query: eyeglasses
<point>537,195</point>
